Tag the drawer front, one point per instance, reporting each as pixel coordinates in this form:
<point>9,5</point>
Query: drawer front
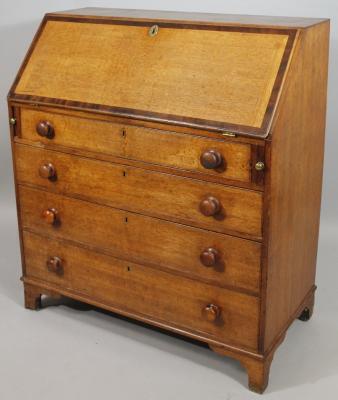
<point>178,301</point>
<point>145,240</point>
<point>230,210</point>
<point>218,158</point>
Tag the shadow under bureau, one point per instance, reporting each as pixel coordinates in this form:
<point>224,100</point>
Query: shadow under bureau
<point>168,167</point>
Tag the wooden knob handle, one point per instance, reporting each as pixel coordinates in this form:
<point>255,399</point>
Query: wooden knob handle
<point>47,171</point>
<point>50,216</point>
<point>212,312</point>
<point>209,257</point>
<point>54,264</point>
<point>211,159</point>
<point>210,206</point>
<point>45,129</point>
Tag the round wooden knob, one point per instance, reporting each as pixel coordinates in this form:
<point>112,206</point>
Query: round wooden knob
<point>212,312</point>
<point>50,216</point>
<point>211,159</point>
<point>45,129</point>
<point>47,171</point>
<point>209,257</point>
<point>210,206</point>
<point>54,264</point>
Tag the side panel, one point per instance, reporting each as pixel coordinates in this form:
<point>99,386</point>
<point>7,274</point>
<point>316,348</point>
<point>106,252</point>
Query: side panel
<point>295,183</point>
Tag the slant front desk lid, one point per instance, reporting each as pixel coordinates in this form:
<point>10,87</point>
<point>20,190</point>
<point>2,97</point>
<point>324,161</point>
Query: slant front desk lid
<point>211,76</point>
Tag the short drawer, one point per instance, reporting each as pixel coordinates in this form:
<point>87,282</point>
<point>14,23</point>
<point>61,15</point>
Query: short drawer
<point>179,302</point>
<point>219,259</point>
<point>219,158</point>
<point>188,201</point>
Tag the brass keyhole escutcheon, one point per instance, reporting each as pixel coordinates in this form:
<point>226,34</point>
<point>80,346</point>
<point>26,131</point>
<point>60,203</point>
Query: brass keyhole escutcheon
<point>153,30</point>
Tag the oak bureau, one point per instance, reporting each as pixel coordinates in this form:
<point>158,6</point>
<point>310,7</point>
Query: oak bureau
<point>168,167</point>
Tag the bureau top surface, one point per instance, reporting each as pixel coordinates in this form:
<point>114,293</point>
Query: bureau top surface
<point>199,74</point>
<point>229,19</point>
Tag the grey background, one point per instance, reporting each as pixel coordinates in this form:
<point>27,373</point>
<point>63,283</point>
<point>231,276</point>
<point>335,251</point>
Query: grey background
<point>63,351</point>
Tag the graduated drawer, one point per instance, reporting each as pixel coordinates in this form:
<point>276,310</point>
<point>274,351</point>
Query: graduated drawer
<point>161,244</point>
<point>179,302</point>
<point>189,201</point>
<point>217,158</point>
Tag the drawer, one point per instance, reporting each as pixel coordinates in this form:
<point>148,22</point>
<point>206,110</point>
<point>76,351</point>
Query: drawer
<point>218,158</point>
<point>188,201</point>
<point>233,317</point>
<point>219,259</point>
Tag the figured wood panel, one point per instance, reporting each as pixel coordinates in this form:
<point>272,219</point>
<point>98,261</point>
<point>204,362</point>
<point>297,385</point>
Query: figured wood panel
<point>295,182</point>
<point>134,189</point>
<point>145,240</point>
<point>213,75</point>
<point>145,144</point>
<point>157,294</point>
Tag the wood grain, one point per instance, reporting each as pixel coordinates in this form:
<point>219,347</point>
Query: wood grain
<point>295,182</point>
<point>134,189</point>
<point>131,199</point>
<point>146,291</point>
<point>173,70</point>
<point>144,240</point>
<point>192,17</point>
<point>258,368</point>
<point>138,143</point>
<point>101,115</point>
<point>32,297</point>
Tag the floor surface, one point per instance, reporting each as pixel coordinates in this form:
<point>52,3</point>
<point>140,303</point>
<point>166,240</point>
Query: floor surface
<point>76,352</point>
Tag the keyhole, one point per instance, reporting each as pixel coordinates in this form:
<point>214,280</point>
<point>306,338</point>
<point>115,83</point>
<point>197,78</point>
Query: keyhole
<point>153,30</point>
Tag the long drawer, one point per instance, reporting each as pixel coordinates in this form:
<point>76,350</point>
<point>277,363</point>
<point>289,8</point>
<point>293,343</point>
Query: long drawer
<point>207,205</point>
<point>143,239</point>
<point>229,160</point>
<point>221,314</point>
